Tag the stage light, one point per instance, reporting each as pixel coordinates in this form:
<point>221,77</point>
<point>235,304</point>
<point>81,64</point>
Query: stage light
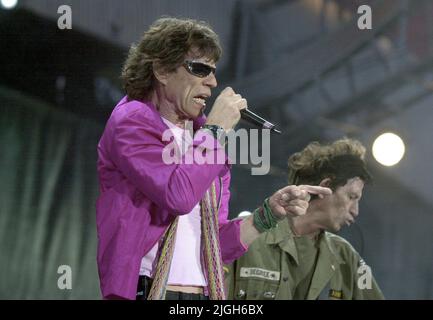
<point>8,4</point>
<point>244,214</point>
<point>388,149</point>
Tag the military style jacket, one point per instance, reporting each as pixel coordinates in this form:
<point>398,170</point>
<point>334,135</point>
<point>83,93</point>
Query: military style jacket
<point>276,267</point>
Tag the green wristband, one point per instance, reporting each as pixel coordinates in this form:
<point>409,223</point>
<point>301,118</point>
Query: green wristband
<point>263,218</point>
<point>258,223</point>
<point>271,220</point>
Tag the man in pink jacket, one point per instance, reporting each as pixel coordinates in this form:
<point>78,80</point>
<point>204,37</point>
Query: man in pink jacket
<point>156,234</point>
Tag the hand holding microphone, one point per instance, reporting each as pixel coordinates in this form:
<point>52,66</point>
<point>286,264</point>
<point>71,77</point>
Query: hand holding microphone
<point>226,109</point>
<point>229,107</point>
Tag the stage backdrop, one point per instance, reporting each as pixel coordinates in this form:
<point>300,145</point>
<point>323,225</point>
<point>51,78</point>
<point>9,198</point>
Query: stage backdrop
<point>47,200</point>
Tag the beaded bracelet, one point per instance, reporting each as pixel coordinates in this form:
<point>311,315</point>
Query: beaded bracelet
<point>263,218</point>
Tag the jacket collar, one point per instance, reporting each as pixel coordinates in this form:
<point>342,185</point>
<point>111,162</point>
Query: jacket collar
<point>156,116</point>
<point>283,236</point>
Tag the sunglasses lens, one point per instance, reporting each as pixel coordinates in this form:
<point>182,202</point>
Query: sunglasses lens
<point>200,69</point>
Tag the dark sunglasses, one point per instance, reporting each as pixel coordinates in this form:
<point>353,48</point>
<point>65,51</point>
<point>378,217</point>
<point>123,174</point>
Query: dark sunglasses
<point>198,69</point>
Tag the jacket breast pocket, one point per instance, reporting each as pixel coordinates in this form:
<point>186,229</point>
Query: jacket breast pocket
<point>255,289</point>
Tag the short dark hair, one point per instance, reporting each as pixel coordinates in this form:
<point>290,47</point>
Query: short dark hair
<point>166,43</point>
<point>339,161</point>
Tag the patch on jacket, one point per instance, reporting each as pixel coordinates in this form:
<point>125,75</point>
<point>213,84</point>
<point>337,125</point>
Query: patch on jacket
<point>259,273</point>
<point>336,294</point>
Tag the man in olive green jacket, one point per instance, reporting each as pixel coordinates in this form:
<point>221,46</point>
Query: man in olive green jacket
<point>301,258</point>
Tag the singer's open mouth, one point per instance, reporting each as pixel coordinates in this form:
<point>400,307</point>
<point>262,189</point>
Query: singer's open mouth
<point>200,100</point>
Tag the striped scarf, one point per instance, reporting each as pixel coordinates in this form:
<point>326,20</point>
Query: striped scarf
<point>210,250</point>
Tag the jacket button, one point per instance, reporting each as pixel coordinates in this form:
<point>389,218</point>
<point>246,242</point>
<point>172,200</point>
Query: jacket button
<point>269,295</point>
<point>240,294</point>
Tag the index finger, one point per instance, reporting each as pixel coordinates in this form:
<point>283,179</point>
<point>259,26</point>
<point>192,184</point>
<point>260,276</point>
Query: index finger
<point>316,190</point>
<point>228,91</point>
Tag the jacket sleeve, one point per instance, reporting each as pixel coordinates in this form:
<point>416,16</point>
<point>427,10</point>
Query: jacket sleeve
<point>137,151</point>
<point>230,279</point>
<point>229,230</point>
<point>365,286</point>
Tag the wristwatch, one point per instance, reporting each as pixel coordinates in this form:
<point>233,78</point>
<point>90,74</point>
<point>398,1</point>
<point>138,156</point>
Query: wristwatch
<point>218,132</point>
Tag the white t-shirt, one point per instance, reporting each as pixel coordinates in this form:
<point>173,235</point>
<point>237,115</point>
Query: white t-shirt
<point>186,268</point>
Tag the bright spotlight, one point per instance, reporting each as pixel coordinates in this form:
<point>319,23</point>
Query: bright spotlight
<point>8,4</point>
<point>388,149</point>
<point>244,214</point>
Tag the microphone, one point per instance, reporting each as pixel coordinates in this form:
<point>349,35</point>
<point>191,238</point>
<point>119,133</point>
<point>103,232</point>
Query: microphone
<point>258,121</point>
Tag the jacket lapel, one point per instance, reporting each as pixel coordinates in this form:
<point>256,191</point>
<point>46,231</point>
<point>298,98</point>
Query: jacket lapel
<point>327,264</point>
